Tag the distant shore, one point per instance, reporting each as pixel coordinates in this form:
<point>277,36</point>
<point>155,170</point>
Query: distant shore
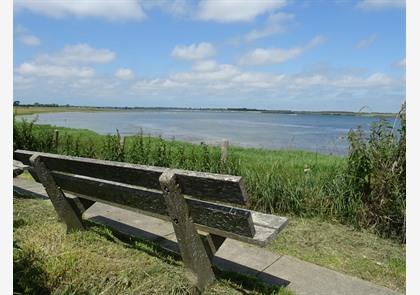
<point>36,109</point>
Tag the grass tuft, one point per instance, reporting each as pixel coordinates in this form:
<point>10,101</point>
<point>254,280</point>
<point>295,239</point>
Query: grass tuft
<point>49,261</point>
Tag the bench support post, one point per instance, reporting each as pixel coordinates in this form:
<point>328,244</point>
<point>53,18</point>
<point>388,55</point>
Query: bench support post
<point>212,243</point>
<point>66,209</point>
<point>190,244</point>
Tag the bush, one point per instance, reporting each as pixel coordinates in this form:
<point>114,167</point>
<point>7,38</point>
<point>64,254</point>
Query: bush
<point>113,148</point>
<point>376,175</point>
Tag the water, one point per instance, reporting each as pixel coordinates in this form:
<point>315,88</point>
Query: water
<point>318,133</point>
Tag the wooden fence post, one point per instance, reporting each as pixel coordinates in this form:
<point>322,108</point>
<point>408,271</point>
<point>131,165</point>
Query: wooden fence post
<point>55,139</point>
<point>225,146</point>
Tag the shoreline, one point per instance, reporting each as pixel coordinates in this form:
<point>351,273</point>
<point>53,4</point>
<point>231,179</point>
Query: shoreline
<point>297,182</point>
<point>30,110</point>
<point>210,143</point>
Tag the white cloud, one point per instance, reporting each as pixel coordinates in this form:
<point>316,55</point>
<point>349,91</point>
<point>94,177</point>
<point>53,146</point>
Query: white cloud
<point>317,40</point>
<point>19,29</point>
<point>275,25</point>
<point>194,51</point>
<point>78,54</point>
<point>109,10</point>
<point>25,38</point>
<point>176,8</point>
<point>211,84</point>
<point>221,72</point>
<point>380,4</point>
<point>374,81</point>
<point>232,11</point>
<point>268,90</point>
<point>223,77</point>
<point>262,56</point>
<point>45,70</point>
<point>204,65</point>
<point>124,74</point>
<point>401,63</point>
<point>29,40</point>
<point>67,63</point>
<point>366,42</point>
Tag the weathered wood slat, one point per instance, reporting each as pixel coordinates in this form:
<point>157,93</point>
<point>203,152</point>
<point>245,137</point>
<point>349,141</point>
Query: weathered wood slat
<point>66,209</point>
<point>267,229</point>
<point>218,187</point>
<point>220,217</point>
<point>263,234</point>
<point>190,244</point>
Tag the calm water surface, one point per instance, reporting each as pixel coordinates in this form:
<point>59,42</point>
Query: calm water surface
<point>319,133</point>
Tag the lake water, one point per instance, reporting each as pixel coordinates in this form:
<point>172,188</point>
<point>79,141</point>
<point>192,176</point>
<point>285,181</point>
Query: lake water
<point>319,133</point>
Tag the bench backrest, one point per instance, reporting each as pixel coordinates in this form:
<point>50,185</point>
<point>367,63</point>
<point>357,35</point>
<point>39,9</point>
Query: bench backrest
<point>137,187</point>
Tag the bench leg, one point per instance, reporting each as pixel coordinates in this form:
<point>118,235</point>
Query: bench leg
<point>212,243</point>
<point>192,249</point>
<point>81,203</point>
<point>65,208</point>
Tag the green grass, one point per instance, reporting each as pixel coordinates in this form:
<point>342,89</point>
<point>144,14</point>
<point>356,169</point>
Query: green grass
<point>365,190</point>
<point>38,110</point>
<point>49,261</point>
<point>370,195</point>
<point>342,248</point>
<point>95,260</point>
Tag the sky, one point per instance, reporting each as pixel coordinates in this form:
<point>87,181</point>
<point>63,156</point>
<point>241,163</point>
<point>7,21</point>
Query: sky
<point>267,54</point>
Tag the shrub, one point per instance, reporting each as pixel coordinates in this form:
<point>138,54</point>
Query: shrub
<point>376,173</point>
<point>136,150</point>
<point>113,147</point>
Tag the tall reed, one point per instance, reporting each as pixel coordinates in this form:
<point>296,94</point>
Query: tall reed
<point>365,189</point>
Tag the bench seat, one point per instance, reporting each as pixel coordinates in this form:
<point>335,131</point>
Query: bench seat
<point>192,201</point>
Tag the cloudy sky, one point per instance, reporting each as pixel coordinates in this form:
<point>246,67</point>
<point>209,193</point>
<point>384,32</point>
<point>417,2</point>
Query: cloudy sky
<point>282,54</point>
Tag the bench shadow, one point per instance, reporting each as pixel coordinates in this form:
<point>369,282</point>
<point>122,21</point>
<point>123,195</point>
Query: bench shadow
<point>27,194</point>
<point>160,247</point>
<point>130,235</point>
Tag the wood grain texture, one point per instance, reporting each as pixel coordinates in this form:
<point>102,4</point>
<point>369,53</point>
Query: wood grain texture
<point>192,249</point>
<point>225,221</point>
<point>218,216</point>
<point>211,186</point>
<point>66,209</point>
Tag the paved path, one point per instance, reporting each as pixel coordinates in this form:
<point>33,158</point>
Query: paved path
<point>300,276</point>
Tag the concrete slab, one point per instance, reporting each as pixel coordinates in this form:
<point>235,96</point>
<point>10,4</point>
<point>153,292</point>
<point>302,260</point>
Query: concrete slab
<point>28,188</point>
<point>134,225</point>
<point>309,279</point>
<point>152,228</point>
<point>237,256</point>
<point>300,276</point>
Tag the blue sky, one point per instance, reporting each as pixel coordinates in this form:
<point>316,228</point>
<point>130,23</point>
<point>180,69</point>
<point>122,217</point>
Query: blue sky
<point>282,54</point>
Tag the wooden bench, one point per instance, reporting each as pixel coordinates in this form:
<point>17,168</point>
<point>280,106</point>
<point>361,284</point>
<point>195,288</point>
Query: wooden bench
<point>190,200</point>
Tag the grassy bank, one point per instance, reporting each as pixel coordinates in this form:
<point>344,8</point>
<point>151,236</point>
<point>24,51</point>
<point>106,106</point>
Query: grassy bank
<point>26,110</point>
<point>49,261</point>
<point>46,260</point>
<point>365,189</point>
<point>319,193</point>
<point>345,249</point>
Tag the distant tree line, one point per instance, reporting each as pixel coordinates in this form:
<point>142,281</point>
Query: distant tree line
<point>335,113</point>
<point>37,104</point>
